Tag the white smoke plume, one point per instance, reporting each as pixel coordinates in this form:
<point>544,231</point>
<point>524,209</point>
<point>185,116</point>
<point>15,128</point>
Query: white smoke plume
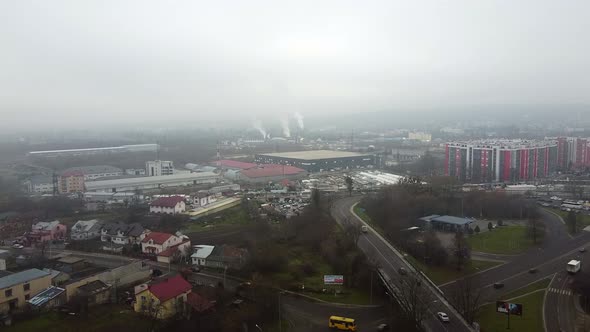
<point>258,126</point>
<point>285,125</point>
<point>299,119</point>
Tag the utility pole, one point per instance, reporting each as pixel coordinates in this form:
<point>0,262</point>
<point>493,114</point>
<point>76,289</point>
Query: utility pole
<point>371,296</point>
<point>280,322</point>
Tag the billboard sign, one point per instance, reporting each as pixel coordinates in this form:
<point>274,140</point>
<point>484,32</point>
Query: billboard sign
<point>509,308</point>
<point>330,279</point>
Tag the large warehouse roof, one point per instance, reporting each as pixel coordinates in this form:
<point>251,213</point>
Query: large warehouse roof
<point>315,154</point>
<point>148,180</point>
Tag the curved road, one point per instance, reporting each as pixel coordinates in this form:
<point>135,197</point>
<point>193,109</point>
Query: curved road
<point>548,259</point>
<point>375,246</point>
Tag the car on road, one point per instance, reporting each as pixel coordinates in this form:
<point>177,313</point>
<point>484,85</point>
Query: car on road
<point>402,271</point>
<point>17,246</point>
<point>364,228</point>
<point>533,270</point>
<point>383,327</point>
<point>498,285</point>
<point>196,269</point>
<point>443,317</point>
<point>582,249</point>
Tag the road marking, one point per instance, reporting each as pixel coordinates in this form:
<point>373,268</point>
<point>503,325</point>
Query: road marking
<point>559,291</point>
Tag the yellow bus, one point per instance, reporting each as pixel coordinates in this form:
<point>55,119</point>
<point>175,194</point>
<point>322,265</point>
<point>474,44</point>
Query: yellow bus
<point>342,323</point>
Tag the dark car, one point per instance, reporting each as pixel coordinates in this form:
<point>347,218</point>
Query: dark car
<point>402,271</point>
<point>156,273</point>
<point>532,271</point>
<point>583,249</point>
<point>498,285</point>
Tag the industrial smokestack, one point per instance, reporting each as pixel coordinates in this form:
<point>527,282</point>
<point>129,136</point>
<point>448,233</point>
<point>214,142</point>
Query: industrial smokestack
<point>299,119</point>
<point>285,125</point>
<point>258,126</point>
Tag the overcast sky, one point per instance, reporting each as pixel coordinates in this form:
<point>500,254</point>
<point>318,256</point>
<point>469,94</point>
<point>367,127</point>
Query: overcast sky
<point>158,61</point>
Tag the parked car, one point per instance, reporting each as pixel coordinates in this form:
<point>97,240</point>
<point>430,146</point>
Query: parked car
<point>17,246</point>
<point>498,285</point>
<point>443,317</point>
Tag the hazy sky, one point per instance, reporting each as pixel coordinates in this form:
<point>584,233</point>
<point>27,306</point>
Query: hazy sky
<point>158,61</point>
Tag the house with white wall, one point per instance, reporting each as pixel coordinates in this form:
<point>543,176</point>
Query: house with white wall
<point>168,205</point>
<point>201,252</point>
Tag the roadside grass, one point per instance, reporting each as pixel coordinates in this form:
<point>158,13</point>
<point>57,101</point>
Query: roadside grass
<point>583,220</point>
<point>102,318</point>
<point>530,321</point>
<point>508,240</point>
<point>443,274</point>
<point>359,211</point>
<point>541,284</point>
<point>306,268</point>
<point>232,216</point>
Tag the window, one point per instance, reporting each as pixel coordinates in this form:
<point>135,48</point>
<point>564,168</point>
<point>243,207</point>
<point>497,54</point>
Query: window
<point>8,293</point>
<point>27,297</point>
<point>26,287</point>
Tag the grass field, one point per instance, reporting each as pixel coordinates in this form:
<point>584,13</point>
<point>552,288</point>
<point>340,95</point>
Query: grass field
<point>442,274</point>
<point>530,321</point>
<point>314,281</point>
<point>541,284</point>
<point>507,240</point>
<point>103,318</point>
<point>233,216</point>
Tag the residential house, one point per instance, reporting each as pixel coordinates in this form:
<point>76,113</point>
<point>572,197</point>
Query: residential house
<point>4,254</point>
<point>122,234</point>
<point>204,198</point>
<point>47,231</point>
<point>97,292</point>
<point>50,298</point>
<point>227,256</point>
<point>162,299</point>
<point>86,230</point>
<point>201,252</point>
<point>17,288</point>
<point>165,246</point>
<point>71,182</point>
<point>168,205</point>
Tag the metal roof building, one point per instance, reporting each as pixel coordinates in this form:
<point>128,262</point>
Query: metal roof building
<point>21,277</point>
<point>45,296</point>
<point>152,182</point>
<point>318,160</point>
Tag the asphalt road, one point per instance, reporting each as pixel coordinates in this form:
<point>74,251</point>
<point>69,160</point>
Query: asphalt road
<point>551,257</point>
<point>378,248</point>
<point>306,316</point>
<point>559,310</point>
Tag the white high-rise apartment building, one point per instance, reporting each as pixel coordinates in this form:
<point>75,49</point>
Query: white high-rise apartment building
<point>159,167</point>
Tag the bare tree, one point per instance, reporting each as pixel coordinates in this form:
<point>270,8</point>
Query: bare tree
<point>461,249</point>
<point>413,298</point>
<point>349,184</point>
<point>535,228</point>
<point>467,298</point>
<point>353,231</point>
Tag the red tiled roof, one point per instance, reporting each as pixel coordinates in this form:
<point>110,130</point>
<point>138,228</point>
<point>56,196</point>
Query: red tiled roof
<point>159,238</point>
<point>233,164</point>
<point>170,288</point>
<point>198,302</point>
<point>167,201</point>
<point>170,251</point>
<point>268,170</point>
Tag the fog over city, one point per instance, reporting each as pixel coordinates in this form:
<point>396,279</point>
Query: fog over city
<point>144,62</point>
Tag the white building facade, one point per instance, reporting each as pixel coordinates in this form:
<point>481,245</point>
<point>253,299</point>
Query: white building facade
<point>159,167</point>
